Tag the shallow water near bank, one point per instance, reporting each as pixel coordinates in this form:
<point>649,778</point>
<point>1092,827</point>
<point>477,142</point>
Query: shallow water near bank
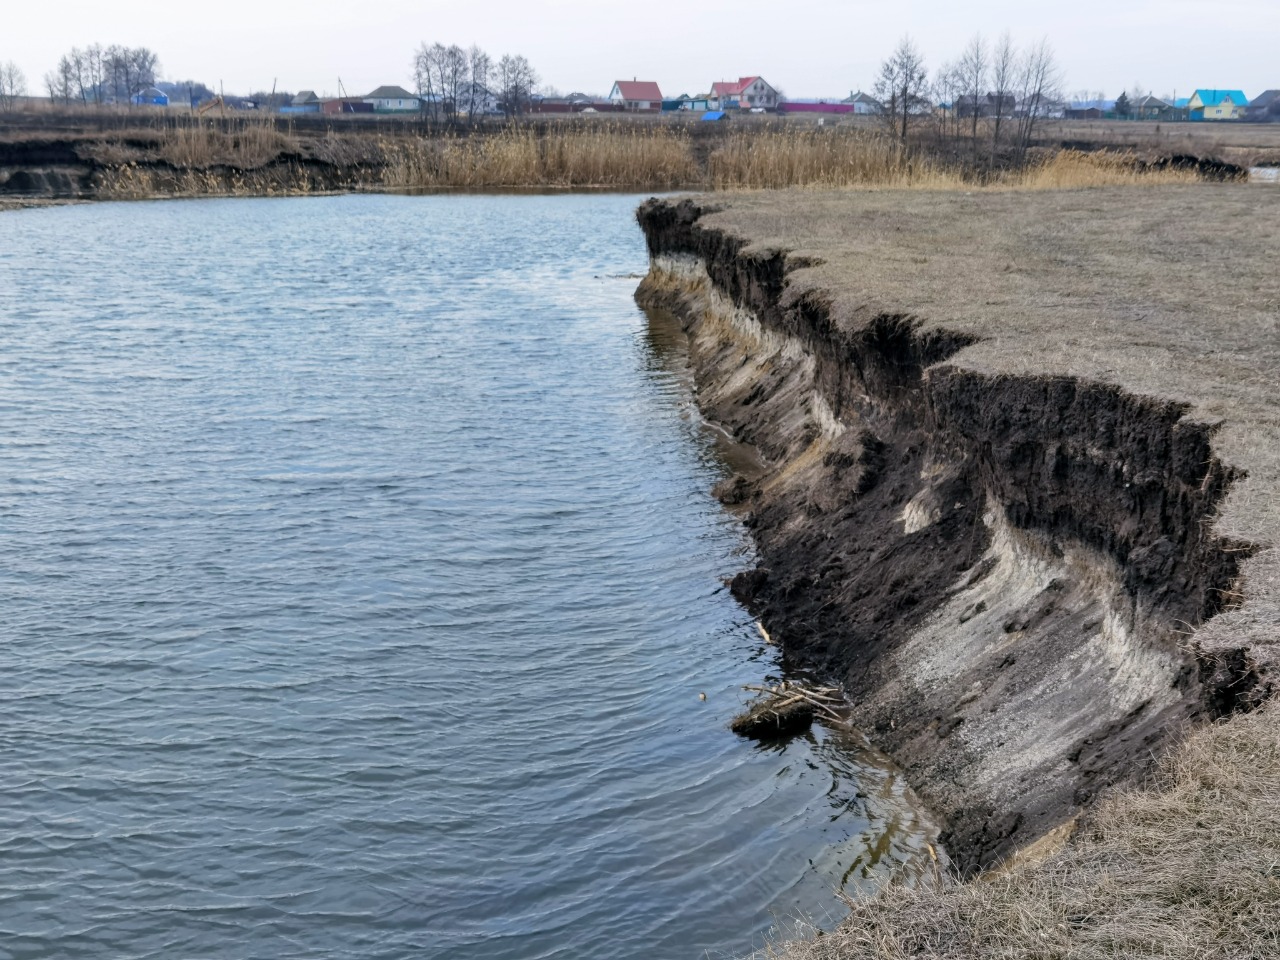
<point>360,578</point>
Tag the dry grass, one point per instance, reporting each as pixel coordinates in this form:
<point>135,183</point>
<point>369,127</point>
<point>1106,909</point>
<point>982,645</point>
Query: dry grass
<point>1072,169</point>
<point>818,158</point>
<point>665,157</point>
<point>630,156</point>
<point>199,147</point>
<point>612,153</point>
<point>1189,868</point>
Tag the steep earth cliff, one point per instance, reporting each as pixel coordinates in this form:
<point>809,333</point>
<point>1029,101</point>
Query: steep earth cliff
<point>1007,563</point>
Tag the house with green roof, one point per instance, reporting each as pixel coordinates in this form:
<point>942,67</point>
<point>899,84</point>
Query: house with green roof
<point>1218,105</point>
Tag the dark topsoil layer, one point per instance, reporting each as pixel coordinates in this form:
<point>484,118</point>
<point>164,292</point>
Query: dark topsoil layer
<point>1101,367</point>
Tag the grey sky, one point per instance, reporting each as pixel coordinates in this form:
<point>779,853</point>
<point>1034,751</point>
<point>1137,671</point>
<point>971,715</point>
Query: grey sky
<point>814,48</point>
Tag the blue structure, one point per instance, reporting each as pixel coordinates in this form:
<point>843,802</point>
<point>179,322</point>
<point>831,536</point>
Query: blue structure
<point>150,97</point>
<point>715,115</point>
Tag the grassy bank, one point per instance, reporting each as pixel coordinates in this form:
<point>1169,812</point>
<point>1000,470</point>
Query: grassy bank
<point>267,158</point>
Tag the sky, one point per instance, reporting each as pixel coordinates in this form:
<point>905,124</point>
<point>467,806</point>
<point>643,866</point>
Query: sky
<point>806,48</point>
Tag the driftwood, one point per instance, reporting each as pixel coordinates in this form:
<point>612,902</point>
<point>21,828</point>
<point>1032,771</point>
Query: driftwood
<point>787,708</point>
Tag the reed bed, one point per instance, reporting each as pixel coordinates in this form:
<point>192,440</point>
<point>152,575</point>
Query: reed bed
<point>210,160</point>
<point>618,156</point>
<point>824,159</point>
<point>253,145</point>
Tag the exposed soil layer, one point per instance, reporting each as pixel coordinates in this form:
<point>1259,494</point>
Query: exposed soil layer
<point>1007,570</point>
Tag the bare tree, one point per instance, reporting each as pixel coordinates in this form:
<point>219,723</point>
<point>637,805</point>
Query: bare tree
<point>427,77</point>
<point>80,74</point>
<point>479,76</point>
<point>947,85</point>
<point>1039,86</point>
<point>973,67</point>
<point>516,80</point>
<point>58,84</point>
<point>902,87</point>
<point>1004,67</point>
<point>454,68</point>
<point>12,86</point>
<point>129,70</point>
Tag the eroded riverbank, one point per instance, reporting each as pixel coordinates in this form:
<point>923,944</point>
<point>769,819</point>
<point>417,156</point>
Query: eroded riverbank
<point>1023,470</point>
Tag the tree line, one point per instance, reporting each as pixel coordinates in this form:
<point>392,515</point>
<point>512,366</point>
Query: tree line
<point>455,82</point>
<point>12,85</point>
<point>995,94</point>
<point>98,74</point>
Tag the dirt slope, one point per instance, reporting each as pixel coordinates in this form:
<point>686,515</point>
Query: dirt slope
<point>1024,453</point>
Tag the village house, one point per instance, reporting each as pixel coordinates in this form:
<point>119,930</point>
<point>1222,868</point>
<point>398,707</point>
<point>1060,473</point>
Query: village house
<point>304,102</point>
<point>1265,108</point>
<point>864,104</point>
<point>1218,105</point>
<point>1151,108</point>
<point>638,95</point>
<point>392,99</point>
<point>748,93</point>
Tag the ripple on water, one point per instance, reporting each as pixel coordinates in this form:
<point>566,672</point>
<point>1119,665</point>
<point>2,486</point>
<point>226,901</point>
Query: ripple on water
<point>360,579</point>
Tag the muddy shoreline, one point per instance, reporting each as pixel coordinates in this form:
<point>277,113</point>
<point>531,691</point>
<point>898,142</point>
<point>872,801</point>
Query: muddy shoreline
<point>1001,570</point>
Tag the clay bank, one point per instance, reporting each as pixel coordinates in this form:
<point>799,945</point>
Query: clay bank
<point>1024,462</point>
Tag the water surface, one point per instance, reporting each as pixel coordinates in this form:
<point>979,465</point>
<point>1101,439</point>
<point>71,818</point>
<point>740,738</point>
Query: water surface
<point>359,580</point>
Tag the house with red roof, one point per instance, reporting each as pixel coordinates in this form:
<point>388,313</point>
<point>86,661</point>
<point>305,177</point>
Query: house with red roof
<point>636,95</point>
<point>748,93</point>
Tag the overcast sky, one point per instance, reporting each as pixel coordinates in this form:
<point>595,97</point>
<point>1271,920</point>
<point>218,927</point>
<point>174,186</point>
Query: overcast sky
<point>807,48</point>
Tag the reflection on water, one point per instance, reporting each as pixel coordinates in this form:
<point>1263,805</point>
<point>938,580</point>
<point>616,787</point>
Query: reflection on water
<point>1264,174</point>
<point>360,579</point>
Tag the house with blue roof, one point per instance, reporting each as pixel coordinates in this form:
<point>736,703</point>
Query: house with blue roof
<point>1218,105</point>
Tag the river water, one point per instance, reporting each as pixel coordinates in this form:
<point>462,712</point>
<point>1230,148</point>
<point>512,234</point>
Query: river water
<point>359,579</point>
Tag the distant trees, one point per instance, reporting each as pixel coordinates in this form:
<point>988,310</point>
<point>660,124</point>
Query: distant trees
<point>972,76</point>
<point>1123,107</point>
<point>97,74</point>
<point>13,84</point>
<point>456,82</point>
<point>1039,90</point>
<point>516,80</point>
<point>995,96</point>
<point>903,87</point>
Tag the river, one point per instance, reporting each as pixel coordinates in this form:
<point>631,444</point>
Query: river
<point>360,577</point>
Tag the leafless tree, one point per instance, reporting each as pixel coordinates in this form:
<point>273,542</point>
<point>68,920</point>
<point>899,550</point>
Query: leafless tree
<point>479,76</point>
<point>1039,85</point>
<point>441,74</point>
<point>426,77</point>
<point>947,85</point>
<point>453,77</point>
<point>1004,68</point>
<point>902,87</point>
<point>973,66</point>
<point>129,70</point>
<point>516,80</point>
<point>80,74</point>
<point>12,86</point>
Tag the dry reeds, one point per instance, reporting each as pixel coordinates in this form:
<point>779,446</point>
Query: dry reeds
<point>194,159</point>
<point>612,156</point>
<point>1073,169</point>
<point>820,158</point>
<point>201,146</point>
